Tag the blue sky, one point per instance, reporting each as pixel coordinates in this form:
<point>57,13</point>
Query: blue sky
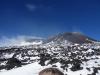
<point>45,18</point>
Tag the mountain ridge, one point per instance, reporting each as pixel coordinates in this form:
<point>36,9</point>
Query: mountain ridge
<point>69,37</point>
<point>74,37</point>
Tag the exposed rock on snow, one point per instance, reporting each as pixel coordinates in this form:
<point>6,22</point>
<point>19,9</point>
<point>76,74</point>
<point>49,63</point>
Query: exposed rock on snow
<point>71,58</point>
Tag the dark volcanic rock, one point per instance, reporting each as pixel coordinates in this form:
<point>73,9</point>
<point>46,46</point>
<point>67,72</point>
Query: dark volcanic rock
<point>13,62</point>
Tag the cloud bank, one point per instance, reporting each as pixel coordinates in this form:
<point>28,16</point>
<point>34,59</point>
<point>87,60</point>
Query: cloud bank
<point>18,41</point>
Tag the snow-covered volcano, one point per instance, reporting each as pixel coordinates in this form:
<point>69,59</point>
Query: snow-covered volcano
<point>74,37</point>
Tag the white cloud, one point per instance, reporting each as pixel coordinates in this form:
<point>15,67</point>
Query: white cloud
<point>17,41</point>
<point>30,7</point>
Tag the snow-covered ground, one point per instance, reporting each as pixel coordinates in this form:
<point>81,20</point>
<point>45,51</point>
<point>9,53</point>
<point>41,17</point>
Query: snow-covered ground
<point>31,69</point>
<point>71,59</point>
<point>35,68</point>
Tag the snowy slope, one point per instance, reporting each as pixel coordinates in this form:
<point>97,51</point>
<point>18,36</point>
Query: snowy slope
<point>31,69</point>
<point>70,58</point>
<point>35,68</point>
